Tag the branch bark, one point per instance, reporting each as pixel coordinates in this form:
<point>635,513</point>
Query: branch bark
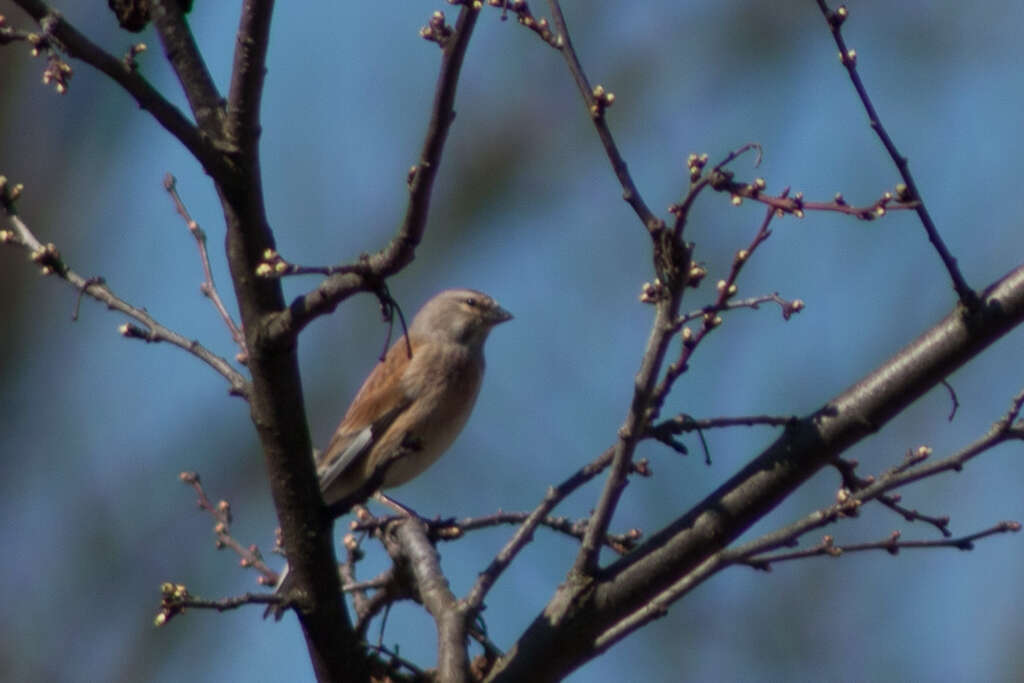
<point>411,547</point>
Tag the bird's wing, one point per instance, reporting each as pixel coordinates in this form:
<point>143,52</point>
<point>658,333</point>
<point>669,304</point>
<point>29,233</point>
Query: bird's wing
<point>380,401</point>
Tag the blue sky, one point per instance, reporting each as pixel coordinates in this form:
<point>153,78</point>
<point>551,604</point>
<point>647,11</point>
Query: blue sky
<point>526,208</point>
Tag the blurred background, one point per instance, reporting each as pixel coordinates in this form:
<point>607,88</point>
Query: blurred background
<point>96,428</point>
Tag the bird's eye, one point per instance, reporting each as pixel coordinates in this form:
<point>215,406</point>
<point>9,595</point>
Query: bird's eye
<point>470,301</point>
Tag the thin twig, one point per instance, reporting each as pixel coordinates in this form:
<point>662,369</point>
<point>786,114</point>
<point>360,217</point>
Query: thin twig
<point>968,297</point>
<point>208,288</point>
<point>891,545</point>
<point>798,206</point>
<point>853,482</point>
<point>487,578</point>
<point>754,303</point>
<point>597,100</point>
<point>175,599</point>
<point>710,317</point>
<point>667,431</point>
<point>454,529</point>
<point>527,19</point>
<point>672,266</point>
<point>1003,430</point>
<point>684,423</point>
<point>221,513</point>
<point>51,263</point>
<point>397,661</point>
<point>953,399</point>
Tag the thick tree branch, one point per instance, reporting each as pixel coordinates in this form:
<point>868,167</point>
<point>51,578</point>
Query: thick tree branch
<point>184,57</point>
<point>565,635</point>
<point>753,553</point>
<point>248,74</point>
<point>410,547</point>
<point>277,403</point>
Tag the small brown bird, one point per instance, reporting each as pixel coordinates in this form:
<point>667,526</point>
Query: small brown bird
<point>411,408</point>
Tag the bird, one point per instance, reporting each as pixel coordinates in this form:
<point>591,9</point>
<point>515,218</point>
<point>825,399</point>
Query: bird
<point>414,403</point>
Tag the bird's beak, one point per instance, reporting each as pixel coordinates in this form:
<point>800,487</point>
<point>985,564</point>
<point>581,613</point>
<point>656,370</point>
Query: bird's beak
<point>499,315</point>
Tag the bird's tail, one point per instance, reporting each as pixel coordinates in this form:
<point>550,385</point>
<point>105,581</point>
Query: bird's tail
<point>282,587</point>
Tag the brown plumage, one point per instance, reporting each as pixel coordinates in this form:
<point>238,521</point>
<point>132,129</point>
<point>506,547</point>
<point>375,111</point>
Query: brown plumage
<point>410,410</point>
<point>413,408</point>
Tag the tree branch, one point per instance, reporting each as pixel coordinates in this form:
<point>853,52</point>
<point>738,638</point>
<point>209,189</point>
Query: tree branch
<point>369,272</point>
<point>524,534</point>
<point>148,98</point>
<point>51,263</point>
<point>248,74</point>
<point>848,57</point>
<point>184,57</point>
<point>410,548</point>
<point>564,635</point>
<point>597,100</point>
<point>208,288</point>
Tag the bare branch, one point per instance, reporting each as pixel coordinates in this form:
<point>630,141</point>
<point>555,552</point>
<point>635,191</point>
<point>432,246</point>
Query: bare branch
<point>455,529</point>
<point>584,618</point>
<point>221,513</point>
<point>524,534</point>
<point>527,19</point>
<point>754,303</point>
<point>597,100</point>
<point>667,430</point>
<point>892,545</point>
<point>1005,429</point>
<point>148,98</point>
<point>682,423</point>
<point>183,55</point>
<point>208,288</point>
<point>721,181</point>
<point>659,606</point>
<point>672,267</point>
<point>369,272</point>
<point>753,552</point>
<point>853,482</point>
<point>175,599</point>
<point>848,58</point>
<point>408,544</point>
<point>247,76</point>
<point>726,288</point>
<point>51,263</point>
